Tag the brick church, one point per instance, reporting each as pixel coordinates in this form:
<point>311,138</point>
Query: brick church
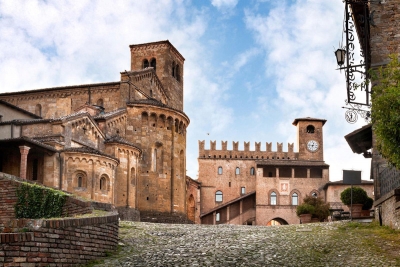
<point>120,142</point>
<point>262,187</point>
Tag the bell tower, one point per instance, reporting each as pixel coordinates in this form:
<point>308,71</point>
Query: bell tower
<point>167,63</point>
<point>310,140</point>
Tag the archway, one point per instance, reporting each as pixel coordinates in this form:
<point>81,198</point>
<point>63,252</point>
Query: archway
<point>277,221</point>
<point>191,208</point>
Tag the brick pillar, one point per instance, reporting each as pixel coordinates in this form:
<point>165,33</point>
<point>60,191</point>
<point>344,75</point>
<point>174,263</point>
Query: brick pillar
<point>24,150</point>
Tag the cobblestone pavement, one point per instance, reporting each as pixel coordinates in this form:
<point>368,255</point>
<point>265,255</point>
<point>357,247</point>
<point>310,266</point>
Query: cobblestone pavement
<point>320,244</point>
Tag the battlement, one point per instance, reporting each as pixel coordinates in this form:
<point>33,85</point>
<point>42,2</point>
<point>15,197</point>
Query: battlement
<point>213,152</point>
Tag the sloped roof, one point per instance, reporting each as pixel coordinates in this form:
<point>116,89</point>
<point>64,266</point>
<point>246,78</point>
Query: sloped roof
<point>19,109</point>
<point>121,140</point>
<point>360,140</point>
<point>157,43</point>
<point>88,150</point>
<point>308,119</point>
<point>30,141</point>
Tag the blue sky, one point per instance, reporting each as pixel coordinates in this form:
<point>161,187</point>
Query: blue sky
<point>251,66</point>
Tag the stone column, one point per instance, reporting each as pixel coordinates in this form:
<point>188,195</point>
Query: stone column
<point>24,150</point>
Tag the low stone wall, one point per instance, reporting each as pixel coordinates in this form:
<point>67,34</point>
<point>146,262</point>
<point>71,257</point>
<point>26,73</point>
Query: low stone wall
<point>164,217</point>
<point>8,199</point>
<point>58,242</point>
<point>128,214</point>
<point>388,206</point>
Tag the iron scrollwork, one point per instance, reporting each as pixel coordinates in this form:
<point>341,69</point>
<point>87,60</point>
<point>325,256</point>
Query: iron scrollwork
<point>357,78</point>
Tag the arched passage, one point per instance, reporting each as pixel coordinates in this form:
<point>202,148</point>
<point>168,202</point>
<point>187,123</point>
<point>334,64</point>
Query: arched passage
<point>277,221</point>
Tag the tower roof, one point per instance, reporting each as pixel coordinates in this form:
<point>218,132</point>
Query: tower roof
<point>166,42</point>
<point>308,119</point>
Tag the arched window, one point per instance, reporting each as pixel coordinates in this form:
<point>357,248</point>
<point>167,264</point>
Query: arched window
<point>252,171</point>
<point>314,194</point>
<point>155,160</point>
<point>273,198</point>
<point>103,183</point>
<point>218,196</point>
<point>80,179</point>
<point>310,129</point>
<point>100,102</point>
<point>153,63</point>
<point>219,170</point>
<point>295,199</point>
<point>38,110</point>
<point>237,172</point>
<point>145,63</point>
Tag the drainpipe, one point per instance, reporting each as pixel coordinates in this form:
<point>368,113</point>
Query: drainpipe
<point>60,172</point>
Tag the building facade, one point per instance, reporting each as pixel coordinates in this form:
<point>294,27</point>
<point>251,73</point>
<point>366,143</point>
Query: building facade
<point>382,24</point>
<point>262,187</point>
<point>120,142</point>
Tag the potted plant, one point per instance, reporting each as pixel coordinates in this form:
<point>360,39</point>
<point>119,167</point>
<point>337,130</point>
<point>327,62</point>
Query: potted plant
<point>321,209</point>
<point>367,207</point>
<point>305,211</point>
<point>359,198</point>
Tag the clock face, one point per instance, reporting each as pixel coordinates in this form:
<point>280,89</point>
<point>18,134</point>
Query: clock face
<point>312,145</point>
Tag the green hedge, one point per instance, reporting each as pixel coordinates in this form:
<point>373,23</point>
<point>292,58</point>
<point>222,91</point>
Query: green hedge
<point>35,201</point>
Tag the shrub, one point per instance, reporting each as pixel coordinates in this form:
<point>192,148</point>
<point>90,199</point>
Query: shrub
<point>359,196</point>
<point>35,201</point>
<point>305,209</point>
<point>368,204</point>
<point>321,209</point>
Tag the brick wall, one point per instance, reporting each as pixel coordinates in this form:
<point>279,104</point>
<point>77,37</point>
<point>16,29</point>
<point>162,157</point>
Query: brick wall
<point>53,242</point>
<point>61,242</point>
<point>8,199</point>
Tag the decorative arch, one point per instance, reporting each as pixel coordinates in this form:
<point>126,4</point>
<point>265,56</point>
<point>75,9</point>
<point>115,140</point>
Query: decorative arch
<point>277,221</point>
<point>104,183</point>
<point>80,179</point>
<point>145,118</point>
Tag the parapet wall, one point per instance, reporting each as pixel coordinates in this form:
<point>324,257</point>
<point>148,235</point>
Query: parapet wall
<point>58,242</point>
<point>54,242</point>
<point>235,153</point>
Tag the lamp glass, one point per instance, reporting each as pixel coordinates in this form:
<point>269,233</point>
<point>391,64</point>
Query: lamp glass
<point>340,56</point>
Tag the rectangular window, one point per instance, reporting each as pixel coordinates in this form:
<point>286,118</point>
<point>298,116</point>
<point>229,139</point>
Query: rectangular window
<point>243,190</point>
<point>217,217</point>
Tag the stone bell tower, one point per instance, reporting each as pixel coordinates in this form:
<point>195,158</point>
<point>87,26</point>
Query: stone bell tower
<point>310,141</point>
<point>168,64</point>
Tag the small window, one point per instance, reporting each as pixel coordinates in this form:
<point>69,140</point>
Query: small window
<point>295,199</point>
<point>217,217</point>
<point>218,196</point>
<point>80,181</point>
<point>153,63</point>
<point>313,194</point>
<point>103,183</point>
<point>252,171</point>
<point>273,198</point>
<point>310,129</point>
<point>237,171</point>
<point>243,190</point>
<point>145,63</point>
<point>220,170</point>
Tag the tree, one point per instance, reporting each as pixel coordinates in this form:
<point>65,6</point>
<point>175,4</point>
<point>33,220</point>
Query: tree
<point>385,110</point>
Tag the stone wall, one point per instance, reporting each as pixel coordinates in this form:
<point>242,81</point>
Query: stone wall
<point>59,242</point>
<point>388,209</point>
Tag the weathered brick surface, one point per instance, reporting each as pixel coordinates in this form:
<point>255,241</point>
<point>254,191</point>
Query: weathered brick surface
<point>60,242</point>
<point>53,242</point>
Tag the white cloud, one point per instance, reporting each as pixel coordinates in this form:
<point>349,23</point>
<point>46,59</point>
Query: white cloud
<point>224,3</point>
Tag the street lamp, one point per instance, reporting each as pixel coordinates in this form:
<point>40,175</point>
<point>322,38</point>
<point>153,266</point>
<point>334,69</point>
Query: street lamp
<point>340,54</point>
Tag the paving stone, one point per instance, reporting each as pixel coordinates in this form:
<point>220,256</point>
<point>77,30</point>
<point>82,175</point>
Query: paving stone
<point>150,244</point>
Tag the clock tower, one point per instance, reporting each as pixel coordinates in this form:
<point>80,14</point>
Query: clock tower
<point>310,142</point>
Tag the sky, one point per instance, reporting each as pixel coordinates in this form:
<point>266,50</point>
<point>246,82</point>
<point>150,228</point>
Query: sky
<point>251,68</point>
